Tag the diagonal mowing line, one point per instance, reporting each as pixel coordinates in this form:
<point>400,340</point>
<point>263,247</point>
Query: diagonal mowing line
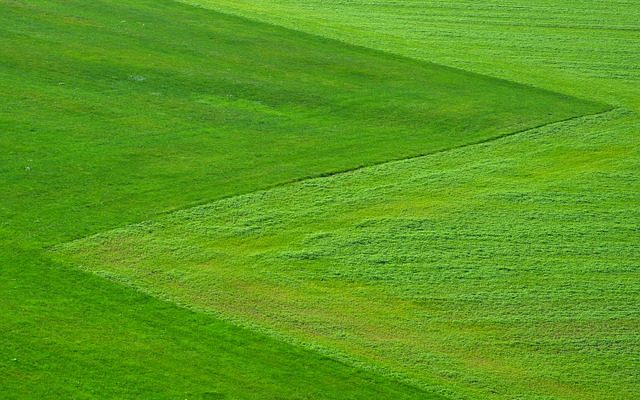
<point>374,49</point>
<point>333,353</point>
<point>349,170</point>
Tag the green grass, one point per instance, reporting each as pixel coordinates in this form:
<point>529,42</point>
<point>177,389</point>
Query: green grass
<point>478,270</point>
<point>113,112</point>
<point>503,270</point>
<point>124,110</point>
<point>65,334</point>
<point>587,48</point>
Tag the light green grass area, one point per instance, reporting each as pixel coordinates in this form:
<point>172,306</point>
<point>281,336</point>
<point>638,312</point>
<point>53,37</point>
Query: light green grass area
<point>118,111</point>
<point>503,270</point>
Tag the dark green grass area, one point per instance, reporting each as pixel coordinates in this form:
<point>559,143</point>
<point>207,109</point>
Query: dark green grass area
<point>66,334</point>
<point>114,111</point>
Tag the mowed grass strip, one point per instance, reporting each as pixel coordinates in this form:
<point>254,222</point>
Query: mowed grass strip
<point>503,270</point>
<point>65,334</point>
<point>114,111</point>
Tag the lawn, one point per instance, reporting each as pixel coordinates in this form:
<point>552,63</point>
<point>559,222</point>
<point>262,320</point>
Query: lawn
<point>341,199</point>
<point>477,270</point>
<point>117,111</point>
<point>65,334</point>
<point>586,48</point>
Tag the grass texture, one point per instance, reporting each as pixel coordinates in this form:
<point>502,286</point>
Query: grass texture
<point>587,48</point>
<point>122,110</point>
<point>502,270</point>
<point>114,112</point>
<point>476,270</point>
<point>65,334</point>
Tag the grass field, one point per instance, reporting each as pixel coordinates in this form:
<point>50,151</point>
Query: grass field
<point>586,48</point>
<point>65,334</point>
<point>162,105</point>
<point>488,249</point>
<point>490,273</point>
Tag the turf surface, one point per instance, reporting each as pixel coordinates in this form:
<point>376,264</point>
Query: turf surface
<point>587,48</point>
<point>115,112</point>
<point>146,96</point>
<point>65,334</point>
<point>122,110</point>
<point>475,270</point>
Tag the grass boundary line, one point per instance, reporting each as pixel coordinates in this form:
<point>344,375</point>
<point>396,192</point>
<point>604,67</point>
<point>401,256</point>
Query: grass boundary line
<point>336,355</point>
<point>388,53</point>
<point>345,171</point>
